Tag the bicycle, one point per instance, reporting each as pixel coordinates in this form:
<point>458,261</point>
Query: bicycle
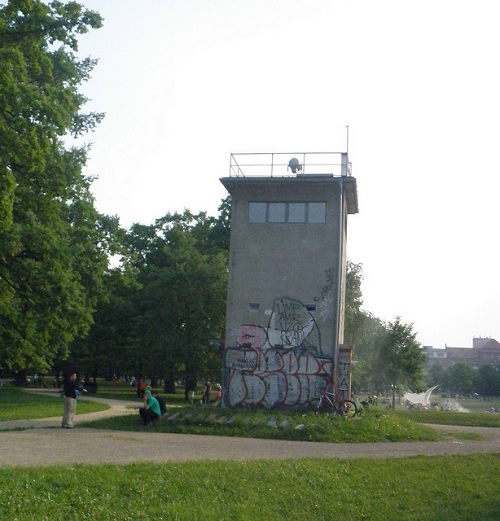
<point>334,403</point>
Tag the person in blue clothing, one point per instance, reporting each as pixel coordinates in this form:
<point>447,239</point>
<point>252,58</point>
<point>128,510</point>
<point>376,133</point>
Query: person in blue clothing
<point>151,409</point>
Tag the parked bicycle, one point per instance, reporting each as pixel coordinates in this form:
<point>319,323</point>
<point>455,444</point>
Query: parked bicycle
<point>335,404</point>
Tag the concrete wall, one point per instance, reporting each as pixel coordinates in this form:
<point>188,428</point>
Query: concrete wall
<point>283,294</point>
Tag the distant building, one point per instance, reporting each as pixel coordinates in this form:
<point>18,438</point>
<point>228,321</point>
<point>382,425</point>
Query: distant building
<point>484,351</point>
<point>287,268</point>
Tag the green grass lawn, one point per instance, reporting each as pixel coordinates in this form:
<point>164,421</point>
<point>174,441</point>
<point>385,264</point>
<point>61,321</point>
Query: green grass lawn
<point>371,427</point>
<point>474,413</point>
<point>375,425</point>
<point>472,419</point>
<point>459,488</point>
<point>18,405</point>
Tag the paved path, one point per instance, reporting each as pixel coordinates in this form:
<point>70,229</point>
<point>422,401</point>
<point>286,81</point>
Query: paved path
<point>43,442</point>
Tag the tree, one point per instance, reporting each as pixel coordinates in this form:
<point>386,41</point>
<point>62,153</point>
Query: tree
<point>361,329</point>
<point>174,320</point>
<point>353,302</point>
<point>110,348</point>
<point>400,357</point>
<point>459,378</point>
<point>367,329</point>
<point>487,381</point>
<point>183,298</point>
<point>437,376</point>
<point>52,240</point>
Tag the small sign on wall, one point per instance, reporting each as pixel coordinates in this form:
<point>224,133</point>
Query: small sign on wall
<point>344,371</point>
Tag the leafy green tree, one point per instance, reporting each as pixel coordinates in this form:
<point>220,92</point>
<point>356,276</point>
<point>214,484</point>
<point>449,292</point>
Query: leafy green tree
<point>487,381</point>
<point>401,359</point>
<point>361,329</point>
<point>367,329</point>
<point>437,376</point>
<point>52,240</point>
<point>459,378</point>
<point>219,235</point>
<point>180,303</point>
<point>353,301</point>
<point>110,347</point>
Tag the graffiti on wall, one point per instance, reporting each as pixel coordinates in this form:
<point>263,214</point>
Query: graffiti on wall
<point>278,365</point>
<point>292,325</point>
<point>326,300</point>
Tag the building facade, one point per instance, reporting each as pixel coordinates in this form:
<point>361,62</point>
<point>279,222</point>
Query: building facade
<point>286,288</point>
<point>484,351</point>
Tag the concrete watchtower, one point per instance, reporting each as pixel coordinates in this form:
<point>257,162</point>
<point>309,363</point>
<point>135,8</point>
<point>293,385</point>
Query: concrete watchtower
<point>287,265</point>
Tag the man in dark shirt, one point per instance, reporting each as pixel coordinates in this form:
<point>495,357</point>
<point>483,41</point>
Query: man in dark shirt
<point>71,393</point>
<point>206,392</point>
<point>161,402</point>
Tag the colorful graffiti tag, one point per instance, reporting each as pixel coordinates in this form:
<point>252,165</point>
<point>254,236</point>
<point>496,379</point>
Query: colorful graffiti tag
<point>281,365</point>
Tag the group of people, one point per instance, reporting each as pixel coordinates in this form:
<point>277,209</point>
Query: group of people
<point>207,387</point>
<point>153,408</point>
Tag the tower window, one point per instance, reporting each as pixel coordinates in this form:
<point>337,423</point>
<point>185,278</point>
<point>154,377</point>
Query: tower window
<point>297,212</point>
<point>257,212</point>
<point>316,213</point>
<point>277,212</point>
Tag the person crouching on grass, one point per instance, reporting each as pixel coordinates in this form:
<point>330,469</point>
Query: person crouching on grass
<point>151,409</point>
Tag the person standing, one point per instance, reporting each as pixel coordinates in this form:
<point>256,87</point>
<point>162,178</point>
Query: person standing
<point>218,394</point>
<point>141,387</point>
<point>206,392</point>
<point>71,393</point>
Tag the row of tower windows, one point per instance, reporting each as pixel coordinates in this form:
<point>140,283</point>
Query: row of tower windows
<point>296,212</point>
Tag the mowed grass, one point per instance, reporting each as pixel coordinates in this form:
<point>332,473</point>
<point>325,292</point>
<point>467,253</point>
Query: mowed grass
<point>469,419</point>
<point>459,488</point>
<point>462,488</point>
<point>371,427</point>
<point>374,425</point>
<point>16,404</point>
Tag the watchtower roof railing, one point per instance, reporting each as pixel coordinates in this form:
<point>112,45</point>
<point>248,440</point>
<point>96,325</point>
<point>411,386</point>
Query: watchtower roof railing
<point>290,164</point>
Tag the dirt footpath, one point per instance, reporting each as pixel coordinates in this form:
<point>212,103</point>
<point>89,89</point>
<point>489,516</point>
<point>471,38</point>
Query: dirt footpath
<point>43,442</point>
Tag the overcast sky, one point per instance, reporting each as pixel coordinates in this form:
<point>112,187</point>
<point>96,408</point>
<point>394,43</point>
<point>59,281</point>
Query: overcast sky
<point>184,83</point>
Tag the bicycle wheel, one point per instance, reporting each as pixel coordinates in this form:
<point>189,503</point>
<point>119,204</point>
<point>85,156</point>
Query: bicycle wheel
<point>348,409</point>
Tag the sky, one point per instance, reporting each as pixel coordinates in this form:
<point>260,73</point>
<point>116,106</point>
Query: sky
<point>185,83</point>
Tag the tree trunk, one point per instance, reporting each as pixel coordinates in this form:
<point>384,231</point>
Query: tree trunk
<point>169,386</point>
<point>190,386</point>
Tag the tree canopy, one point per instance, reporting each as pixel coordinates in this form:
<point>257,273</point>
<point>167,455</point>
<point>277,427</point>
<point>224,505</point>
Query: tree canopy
<point>163,312</point>
<point>54,243</point>
<point>388,354</point>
